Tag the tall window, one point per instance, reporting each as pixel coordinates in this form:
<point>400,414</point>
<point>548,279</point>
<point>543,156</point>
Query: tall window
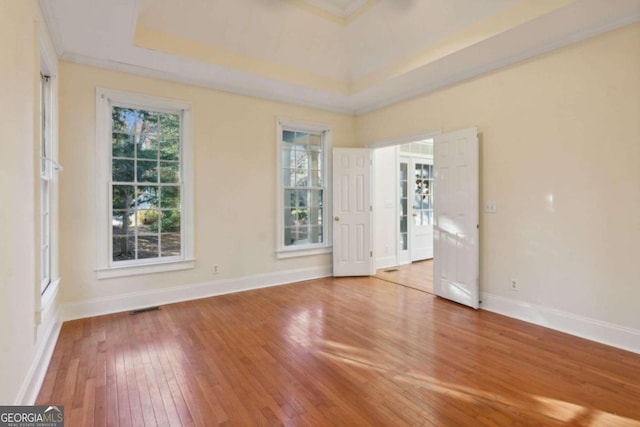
<point>46,175</point>
<point>303,205</point>
<point>47,171</point>
<point>147,183</point>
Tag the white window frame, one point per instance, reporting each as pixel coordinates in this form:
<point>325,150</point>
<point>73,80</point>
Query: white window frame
<point>106,267</point>
<point>283,251</point>
<point>47,172</point>
<point>48,68</point>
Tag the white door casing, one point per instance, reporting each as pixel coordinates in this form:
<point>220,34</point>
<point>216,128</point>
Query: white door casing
<point>352,248</point>
<point>456,234</point>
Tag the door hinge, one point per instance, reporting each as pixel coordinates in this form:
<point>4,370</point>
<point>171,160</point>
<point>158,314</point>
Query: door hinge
<point>371,254</point>
<point>370,208</point>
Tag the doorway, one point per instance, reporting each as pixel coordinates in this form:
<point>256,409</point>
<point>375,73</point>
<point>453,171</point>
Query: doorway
<point>403,207</point>
<point>417,275</point>
<point>454,211</point>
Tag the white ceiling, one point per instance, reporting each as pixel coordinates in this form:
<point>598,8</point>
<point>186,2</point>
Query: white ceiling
<point>342,8</point>
<point>341,55</point>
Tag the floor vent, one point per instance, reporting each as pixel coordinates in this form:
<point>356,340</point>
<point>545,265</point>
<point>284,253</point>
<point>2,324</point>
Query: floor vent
<point>391,270</point>
<point>144,310</point>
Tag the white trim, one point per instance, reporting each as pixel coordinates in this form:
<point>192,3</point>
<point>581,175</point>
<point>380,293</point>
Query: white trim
<point>420,136</point>
<point>283,251</point>
<point>47,343</point>
<point>52,25</point>
<point>48,62</point>
<point>292,252</point>
<point>263,88</point>
<point>136,270</point>
<point>387,261</point>
<point>416,83</point>
<point>584,327</point>
<point>105,267</point>
<point>137,300</point>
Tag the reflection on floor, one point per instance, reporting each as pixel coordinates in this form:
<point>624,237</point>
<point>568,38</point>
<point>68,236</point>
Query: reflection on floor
<point>417,275</point>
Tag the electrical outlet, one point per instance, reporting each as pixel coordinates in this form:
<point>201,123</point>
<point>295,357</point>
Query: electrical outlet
<point>514,284</point>
<point>216,269</point>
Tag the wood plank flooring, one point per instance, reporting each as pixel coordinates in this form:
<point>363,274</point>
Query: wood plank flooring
<point>341,352</point>
<point>417,275</point>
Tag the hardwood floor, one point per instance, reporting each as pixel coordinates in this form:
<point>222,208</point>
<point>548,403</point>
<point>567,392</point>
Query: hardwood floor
<point>417,275</point>
<point>343,352</point>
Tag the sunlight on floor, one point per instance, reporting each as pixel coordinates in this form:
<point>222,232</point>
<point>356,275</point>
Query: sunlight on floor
<point>526,403</point>
<point>306,327</point>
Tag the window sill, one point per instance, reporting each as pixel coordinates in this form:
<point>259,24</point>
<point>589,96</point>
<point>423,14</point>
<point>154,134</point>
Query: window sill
<point>135,270</point>
<point>292,253</point>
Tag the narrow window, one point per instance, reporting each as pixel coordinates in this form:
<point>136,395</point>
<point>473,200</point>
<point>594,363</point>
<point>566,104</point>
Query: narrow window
<point>303,208</point>
<point>46,172</point>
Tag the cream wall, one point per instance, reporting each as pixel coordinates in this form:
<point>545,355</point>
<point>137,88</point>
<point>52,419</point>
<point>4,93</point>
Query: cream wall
<point>235,184</point>
<point>22,339</point>
<point>385,208</point>
<point>560,154</point>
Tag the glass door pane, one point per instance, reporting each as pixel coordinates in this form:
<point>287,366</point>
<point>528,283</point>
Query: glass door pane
<point>403,206</point>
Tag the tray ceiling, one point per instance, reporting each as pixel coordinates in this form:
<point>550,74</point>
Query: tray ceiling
<point>341,55</point>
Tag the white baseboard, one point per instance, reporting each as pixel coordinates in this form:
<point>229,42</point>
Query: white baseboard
<point>388,261</point>
<point>48,337</point>
<point>584,327</point>
<point>137,300</point>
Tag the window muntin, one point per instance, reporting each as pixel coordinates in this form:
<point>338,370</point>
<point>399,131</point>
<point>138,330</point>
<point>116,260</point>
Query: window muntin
<point>404,214</point>
<point>423,203</point>
<point>146,184</point>
<point>144,158</point>
<point>45,183</point>
<point>304,198</point>
<point>303,185</point>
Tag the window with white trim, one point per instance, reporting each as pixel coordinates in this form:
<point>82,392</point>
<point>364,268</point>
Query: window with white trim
<point>47,170</point>
<point>145,167</point>
<point>303,195</point>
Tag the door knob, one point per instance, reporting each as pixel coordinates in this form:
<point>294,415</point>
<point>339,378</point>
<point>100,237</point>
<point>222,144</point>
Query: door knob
<point>337,218</point>
<point>415,214</point>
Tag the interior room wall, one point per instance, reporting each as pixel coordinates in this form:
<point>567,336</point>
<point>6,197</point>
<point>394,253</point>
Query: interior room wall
<point>235,192</point>
<point>22,338</point>
<point>385,196</point>
<point>560,156</point>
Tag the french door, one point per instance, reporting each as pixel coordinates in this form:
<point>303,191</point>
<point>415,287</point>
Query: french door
<point>416,209</point>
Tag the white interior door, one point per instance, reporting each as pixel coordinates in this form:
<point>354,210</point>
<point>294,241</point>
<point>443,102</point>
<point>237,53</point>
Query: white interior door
<point>421,220</point>
<point>352,248</point>
<point>456,242</point>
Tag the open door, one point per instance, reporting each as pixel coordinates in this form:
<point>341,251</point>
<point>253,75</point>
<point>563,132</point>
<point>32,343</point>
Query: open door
<point>352,248</point>
<point>456,242</point>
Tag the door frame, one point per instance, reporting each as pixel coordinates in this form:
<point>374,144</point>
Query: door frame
<point>427,134</point>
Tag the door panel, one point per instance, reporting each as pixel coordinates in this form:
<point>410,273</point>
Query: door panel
<point>456,242</point>
<point>352,249</point>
